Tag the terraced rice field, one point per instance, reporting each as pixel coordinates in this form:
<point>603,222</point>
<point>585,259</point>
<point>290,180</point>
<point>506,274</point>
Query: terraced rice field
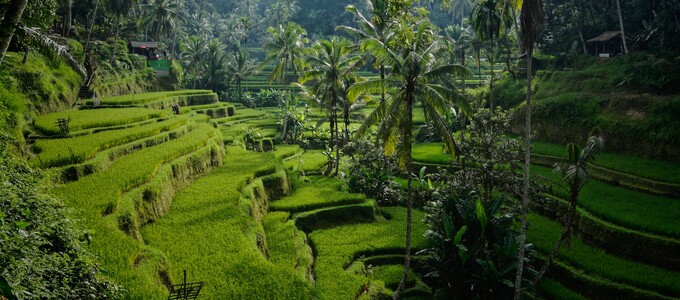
<point>162,193</point>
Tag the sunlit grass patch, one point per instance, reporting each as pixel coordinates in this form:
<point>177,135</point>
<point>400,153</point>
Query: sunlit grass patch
<point>92,118</point>
<point>321,192</point>
<point>287,245</point>
<point>310,161</point>
<point>58,152</point>
<point>284,151</point>
<point>543,233</point>
<point>95,198</point>
<point>432,153</point>
<point>337,247</point>
<point>637,210</point>
<point>135,99</point>
<point>210,236</point>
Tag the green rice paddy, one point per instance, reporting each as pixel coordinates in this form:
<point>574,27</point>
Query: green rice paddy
<point>164,195</point>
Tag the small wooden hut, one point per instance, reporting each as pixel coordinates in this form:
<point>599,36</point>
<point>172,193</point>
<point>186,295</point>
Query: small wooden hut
<point>608,44</point>
<point>146,49</point>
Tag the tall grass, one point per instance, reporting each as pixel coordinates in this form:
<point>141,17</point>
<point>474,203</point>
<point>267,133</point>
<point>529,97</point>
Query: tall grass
<point>543,233</point>
<point>664,171</point>
<point>337,247</point>
<point>86,119</point>
<point>207,234</point>
<point>93,197</point>
<point>58,152</point>
<point>320,192</point>
<point>641,211</point>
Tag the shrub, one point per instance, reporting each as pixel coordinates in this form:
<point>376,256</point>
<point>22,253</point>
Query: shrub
<point>43,252</point>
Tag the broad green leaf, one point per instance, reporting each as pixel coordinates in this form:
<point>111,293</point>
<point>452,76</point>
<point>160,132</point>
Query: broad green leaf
<point>22,224</point>
<point>481,214</point>
<point>448,226</point>
<point>459,235</point>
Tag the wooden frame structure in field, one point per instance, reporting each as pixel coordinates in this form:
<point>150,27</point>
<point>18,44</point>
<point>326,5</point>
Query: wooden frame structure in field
<point>185,291</point>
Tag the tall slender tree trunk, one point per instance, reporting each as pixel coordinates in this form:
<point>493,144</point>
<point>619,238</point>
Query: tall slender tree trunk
<point>623,33</point>
<point>409,201</point>
<point>337,144</point>
<point>115,39</point>
<point>382,83</point>
<point>12,16</point>
<point>174,39</point>
<point>583,41</point>
<point>566,233</point>
<point>89,32</point>
<point>68,16</point>
<point>527,174</point>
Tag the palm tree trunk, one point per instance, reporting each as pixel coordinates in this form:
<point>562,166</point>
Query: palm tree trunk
<point>409,201</point>
<point>337,144</point>
<point>115,40</point>
<point>89,31</point>
<point>566,233</point>
<point>527,174</point>
<point>9,22</point>
<point>583,41</point>
<point>174,40</point>
<point>623,33</point>
<point>382,83</point>
<point>68,16</point>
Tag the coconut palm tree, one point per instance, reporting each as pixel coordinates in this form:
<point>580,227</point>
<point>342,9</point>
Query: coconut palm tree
<point>375,28</point>
<point>215,67</point>
<point>623,33</point>
<point>160,17</point>
<point>575,172</point>
<point>119,8</point>
<point>193,56</point>
<point>414,76</point>
<point>532,20</point>
<point>287,47</point>
<point>460,38</point>
<point>240,68</point>
<point>489,17</point>
<point>332,65</point>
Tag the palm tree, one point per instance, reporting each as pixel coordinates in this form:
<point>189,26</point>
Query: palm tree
<point>459,9</point>
<point>532,19</point>
<point>215,65</point>
<point>160,17</point>
<point>623,33</point>
<point>375,28</point>
<point>489,18</point>
<point>119,8</point>
<point>575,173</point>
<point>193,56</point>
<point>332,67</point>
<point>414,76</point>
<point>287,46</point>
<point>460,38</point>
<point>241,68</point>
